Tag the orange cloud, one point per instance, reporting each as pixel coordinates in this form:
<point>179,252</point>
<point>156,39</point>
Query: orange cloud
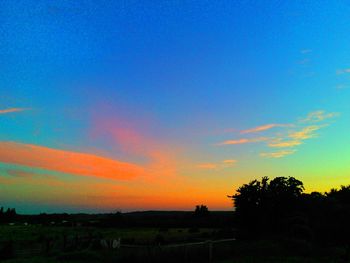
<point>264,128</point>
<point>242,141</point>
<point>12,110</point>
<point>67,161</point>
<point>229,161</point>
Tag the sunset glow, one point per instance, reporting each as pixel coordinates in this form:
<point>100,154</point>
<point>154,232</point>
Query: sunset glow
<point>162,106</point>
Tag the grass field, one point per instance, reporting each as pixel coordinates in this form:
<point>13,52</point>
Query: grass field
<point>23,238</point>
<point>129,235</point>
<point>263,251</point>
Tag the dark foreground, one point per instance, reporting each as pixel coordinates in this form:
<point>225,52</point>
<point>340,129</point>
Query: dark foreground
<point>77,244</point>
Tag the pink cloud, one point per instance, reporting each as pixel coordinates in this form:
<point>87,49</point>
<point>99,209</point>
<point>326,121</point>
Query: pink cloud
<point>161,159</point>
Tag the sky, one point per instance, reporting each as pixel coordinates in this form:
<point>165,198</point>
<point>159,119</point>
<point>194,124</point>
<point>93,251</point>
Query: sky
<point>163,105</point>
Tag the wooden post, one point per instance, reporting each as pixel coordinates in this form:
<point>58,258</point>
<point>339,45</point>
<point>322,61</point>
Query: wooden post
<point>210,243</point>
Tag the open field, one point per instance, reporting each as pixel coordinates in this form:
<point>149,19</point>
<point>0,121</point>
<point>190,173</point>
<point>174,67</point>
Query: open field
<point>83,244</point>
<point>134,235</point>
<point>264,251</point>
<point>37,243</point>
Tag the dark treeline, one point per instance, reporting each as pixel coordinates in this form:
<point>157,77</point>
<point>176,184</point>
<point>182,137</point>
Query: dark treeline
<point>280,208</point>
<point>169,219</point>
<point>7,215</point>
<point>200,217</point>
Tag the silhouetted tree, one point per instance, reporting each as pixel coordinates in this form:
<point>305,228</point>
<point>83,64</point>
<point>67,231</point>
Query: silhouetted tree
<point>8,215</point>
<point>341,196</point>
<point>262,205</point>
<point>201,210</point>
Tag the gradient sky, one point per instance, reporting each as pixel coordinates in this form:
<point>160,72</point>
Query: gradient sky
<point>138,105</point>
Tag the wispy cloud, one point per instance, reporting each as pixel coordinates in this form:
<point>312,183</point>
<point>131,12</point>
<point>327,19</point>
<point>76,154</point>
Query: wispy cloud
<point>305,133</point>
<point>242,141</point>
<point>278,154</point>
<point>295,137</point>
<point>219,165</point>
<point>10,110</point>
<point>289,137</point>
<point>341,87</point>
<point>304,129</point>
<point>279,143</point>
<point>318,116</point>
<point>231,162</point>
<point>343,71</point>
<point>264,128</point>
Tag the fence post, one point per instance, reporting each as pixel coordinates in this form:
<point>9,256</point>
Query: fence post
<point>210,250</point>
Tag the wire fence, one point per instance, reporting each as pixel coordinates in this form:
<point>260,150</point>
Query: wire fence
<point>203,251</point>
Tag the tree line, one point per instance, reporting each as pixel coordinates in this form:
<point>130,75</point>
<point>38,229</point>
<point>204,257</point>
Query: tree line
<point>8,214</point>
<point>280,208</point>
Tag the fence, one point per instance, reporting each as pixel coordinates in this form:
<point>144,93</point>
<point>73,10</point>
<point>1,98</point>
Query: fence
<point>204,251</point>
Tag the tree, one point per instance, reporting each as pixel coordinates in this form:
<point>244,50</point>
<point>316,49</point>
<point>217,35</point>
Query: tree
<point>9,215</point>
<point>342,195</point>
<point>201,210</point>
<point>262,205</point>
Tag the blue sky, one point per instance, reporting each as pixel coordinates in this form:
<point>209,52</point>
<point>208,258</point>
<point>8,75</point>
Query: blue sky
<point>135,81</point>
